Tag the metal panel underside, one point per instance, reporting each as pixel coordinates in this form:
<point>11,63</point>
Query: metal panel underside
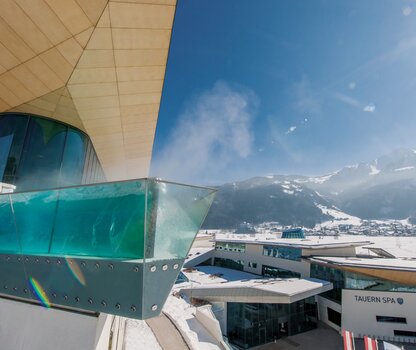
<point>126,288</point>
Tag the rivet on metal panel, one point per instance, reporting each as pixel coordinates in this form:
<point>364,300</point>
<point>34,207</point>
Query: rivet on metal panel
<point>6,287</point>
<point>153,268</point>
<point>90,301</point>
<point>77,299</point>
<point>83,264</point>
<point>19,259</point>
<point>26,259</point>
<point>54,295</point>
<point>25,290</point>
<point>8,258</point>
<point>164,267</point>
<point>15,289</point>
<point>136,269</point>
<point>118,306</point>
<point>48,261</point>
<point>103,303</point>
<point>175,267</point>
<point>154,307</point>
<point>66,297</point>
<point>37,260</point>
<point>133,308</point>
<point>97,266</point>
<point>58,261</point>
<point>110,266</point>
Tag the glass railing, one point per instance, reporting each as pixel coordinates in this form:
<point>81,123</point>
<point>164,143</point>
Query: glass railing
<point>135,219</point>
<point>113,247</point>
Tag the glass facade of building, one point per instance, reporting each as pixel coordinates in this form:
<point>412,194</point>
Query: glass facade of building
<point>270,271</point>
<point>229,263</point>
<point>230,247</point>
<point>350,280</point>
<point>293,233</point>
<point>282,252</point>
<point>335,276</point>
<point>249,325</point>
<point>40,153</point>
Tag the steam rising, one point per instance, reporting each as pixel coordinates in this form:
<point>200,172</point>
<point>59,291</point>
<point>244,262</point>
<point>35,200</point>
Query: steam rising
<point>213,130</point>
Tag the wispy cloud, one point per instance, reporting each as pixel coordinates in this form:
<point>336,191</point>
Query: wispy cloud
<point>213,130</point>
<point>370,108</point>
<point>404,47</point>
<point>291,129</point>
<point>346,99</point>
<point>406,11</point>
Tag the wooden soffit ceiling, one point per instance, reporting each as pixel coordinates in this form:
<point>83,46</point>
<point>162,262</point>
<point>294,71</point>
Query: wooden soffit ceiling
<point>98,65</point>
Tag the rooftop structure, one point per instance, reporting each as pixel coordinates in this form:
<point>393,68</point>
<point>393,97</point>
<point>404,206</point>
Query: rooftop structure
<point>293,233</point>
<point>310,242</point>
<point>357,280</point>
<point>217,284</point>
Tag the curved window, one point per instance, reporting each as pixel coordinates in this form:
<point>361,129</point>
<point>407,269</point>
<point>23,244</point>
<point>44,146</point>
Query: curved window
<point>41,158</point>
<point>40,153</point>
<point>73,158</point>
<point>12,133</point>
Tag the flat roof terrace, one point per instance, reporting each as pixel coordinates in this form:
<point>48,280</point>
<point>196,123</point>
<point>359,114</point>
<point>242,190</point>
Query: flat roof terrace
<point>403,264</point>
<point>310,242</point>
<point>219,284</point>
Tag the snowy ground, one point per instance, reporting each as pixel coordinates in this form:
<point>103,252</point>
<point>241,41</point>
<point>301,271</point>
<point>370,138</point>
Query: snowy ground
<point>340,218</point>
<point>139,336</point>
<point>183,315</point>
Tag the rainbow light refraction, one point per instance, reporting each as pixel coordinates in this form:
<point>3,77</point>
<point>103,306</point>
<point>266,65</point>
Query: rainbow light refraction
<point>75,270</point>
<point>39,292</point>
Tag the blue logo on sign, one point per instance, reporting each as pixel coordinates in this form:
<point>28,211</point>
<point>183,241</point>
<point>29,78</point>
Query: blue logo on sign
<point>400,301</point>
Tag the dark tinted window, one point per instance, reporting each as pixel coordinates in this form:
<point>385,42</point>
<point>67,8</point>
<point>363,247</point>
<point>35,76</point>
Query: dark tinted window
<point>229,263</point>
<point>42,155</point>
<point>270,271</point>
<point>74,158</point>
<point>5,145</point>
<point>334,316</point>
<point>391,319</point>
<point>12,129</point>
<point>404,333</point>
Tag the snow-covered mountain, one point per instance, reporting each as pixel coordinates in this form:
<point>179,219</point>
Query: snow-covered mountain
<point>382,189</point>
<point>266,199</point>
<point>396,166</point>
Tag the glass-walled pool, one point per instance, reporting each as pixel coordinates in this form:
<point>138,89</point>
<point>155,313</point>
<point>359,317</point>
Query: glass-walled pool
<point>113,247</point>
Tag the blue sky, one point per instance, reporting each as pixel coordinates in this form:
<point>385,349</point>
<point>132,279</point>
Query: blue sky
<point>285,86</point>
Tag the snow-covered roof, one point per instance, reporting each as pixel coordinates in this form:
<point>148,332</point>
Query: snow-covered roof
<point>399,247</point>
<point>214,283</point>
<point>310,242</point>
<point>402,264</point>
